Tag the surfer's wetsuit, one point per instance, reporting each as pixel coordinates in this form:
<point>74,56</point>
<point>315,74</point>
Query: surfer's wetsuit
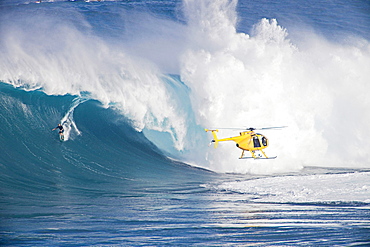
<point>60,127</point>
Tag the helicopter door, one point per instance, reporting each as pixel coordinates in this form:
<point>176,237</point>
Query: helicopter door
<point>256,142</point>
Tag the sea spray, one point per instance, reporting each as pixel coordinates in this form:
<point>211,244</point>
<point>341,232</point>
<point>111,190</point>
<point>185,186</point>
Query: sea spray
<point>319,91</point>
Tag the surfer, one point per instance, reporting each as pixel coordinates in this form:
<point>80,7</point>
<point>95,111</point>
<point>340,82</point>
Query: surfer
<point>61,130</point>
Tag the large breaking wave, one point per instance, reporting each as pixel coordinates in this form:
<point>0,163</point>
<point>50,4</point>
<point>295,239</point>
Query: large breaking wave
<point>171,78</point>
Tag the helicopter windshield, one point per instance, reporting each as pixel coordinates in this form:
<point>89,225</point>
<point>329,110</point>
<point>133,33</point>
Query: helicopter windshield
<point>264,141</point>
<point>259,141</point>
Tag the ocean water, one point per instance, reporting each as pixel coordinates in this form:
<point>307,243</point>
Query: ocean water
<point>135,83</point>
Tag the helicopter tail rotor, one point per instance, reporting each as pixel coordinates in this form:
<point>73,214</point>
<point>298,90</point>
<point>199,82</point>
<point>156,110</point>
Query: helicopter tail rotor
<point>215,138</point>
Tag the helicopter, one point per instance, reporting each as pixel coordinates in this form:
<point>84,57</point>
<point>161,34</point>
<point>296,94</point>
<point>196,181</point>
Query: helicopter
<point>248,140</point>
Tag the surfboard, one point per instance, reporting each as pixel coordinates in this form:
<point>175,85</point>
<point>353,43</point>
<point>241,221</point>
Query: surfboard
<point>61,138</point>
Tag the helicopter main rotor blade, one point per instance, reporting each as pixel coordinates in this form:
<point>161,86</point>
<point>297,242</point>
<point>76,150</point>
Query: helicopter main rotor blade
<point>251,128</point>
<point>279,127</point>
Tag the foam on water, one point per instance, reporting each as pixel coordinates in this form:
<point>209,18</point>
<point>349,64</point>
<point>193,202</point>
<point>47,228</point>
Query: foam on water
<point>321,188</point>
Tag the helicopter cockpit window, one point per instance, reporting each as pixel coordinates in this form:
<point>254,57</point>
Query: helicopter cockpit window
<point>256,142</point>
<point>264,141</point>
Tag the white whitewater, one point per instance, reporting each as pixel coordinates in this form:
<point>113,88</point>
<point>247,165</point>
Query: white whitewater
<point>319,188</point>
<point>68,122</point>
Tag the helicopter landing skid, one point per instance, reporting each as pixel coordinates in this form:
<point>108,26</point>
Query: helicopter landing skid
<point>259,158</point>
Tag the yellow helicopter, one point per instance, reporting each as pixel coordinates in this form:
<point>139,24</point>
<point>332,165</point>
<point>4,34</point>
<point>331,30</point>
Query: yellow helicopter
<point>247,141</point>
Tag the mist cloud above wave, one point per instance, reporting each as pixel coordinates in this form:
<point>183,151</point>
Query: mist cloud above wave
<point>320,91</point>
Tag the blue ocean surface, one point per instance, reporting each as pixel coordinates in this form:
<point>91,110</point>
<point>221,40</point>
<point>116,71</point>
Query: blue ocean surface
<point>135,83</point>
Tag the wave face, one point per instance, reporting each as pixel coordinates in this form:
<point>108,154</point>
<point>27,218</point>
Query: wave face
<point>135,83</point>
<point>104,146</point>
